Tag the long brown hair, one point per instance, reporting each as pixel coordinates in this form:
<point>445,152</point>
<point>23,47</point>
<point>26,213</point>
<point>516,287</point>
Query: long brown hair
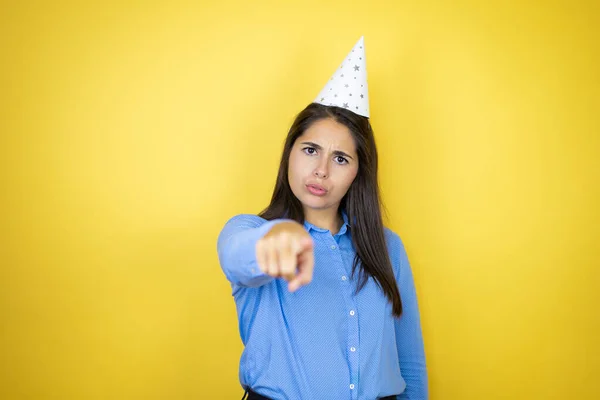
<point>362,202</point>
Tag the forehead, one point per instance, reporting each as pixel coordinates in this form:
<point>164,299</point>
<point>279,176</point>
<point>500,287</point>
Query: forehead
<point>329,132</point>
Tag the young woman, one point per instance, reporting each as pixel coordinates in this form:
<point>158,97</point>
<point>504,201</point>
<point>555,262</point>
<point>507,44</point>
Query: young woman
<point>324,292</point>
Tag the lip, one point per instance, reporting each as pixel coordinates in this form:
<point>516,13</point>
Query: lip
<point>316,189</point>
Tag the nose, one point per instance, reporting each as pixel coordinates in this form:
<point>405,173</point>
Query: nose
<point>321,170</point>
<point>320,174</point>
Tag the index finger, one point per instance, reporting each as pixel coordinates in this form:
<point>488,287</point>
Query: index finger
<point>306,262</point>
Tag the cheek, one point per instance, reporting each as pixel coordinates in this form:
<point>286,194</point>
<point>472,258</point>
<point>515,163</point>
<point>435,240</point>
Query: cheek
<point>295,169</point>
<point>348,178</point>
<point>299,167</point>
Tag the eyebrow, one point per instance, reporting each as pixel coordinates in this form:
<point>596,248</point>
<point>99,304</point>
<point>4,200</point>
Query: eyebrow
<point>335,152</point>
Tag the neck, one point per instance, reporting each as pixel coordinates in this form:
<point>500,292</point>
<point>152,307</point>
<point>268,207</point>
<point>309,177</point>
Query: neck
<point>325,219</point>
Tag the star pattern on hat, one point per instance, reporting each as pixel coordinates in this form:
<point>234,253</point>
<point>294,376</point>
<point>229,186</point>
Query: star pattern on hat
<point>347,87</point>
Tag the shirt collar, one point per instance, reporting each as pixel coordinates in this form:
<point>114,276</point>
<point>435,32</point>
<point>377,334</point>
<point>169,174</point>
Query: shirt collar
<point>343,228</point>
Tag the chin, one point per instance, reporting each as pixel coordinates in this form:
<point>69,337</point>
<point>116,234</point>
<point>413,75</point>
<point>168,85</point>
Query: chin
<point>316,203</point>
<point>313,203</point>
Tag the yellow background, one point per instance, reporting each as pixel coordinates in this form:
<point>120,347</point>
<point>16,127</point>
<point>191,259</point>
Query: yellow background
<point>131,132</point>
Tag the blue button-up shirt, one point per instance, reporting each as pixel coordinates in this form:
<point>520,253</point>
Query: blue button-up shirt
<point>324,341</point>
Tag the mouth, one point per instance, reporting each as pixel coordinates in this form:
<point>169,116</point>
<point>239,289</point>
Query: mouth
<point>316,190</point>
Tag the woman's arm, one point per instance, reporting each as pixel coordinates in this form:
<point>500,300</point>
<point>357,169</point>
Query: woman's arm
<point>409,338</point>
<point>236,247</point>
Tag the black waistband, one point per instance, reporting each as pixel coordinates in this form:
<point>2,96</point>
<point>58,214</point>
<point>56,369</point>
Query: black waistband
<point>250,395</point>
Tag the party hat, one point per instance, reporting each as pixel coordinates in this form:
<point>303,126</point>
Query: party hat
<point>347,87</point>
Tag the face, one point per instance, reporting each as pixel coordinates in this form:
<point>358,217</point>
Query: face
<point>322,166</point>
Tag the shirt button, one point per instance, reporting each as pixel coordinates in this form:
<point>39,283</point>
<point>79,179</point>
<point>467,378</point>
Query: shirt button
<point>352,386</point>
<point>333,247</point>
<point>353,349</point>
<point>344,278</point>
<point>351,312</point>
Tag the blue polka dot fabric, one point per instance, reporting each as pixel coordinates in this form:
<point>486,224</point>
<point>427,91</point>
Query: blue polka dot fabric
<point>324,341</point>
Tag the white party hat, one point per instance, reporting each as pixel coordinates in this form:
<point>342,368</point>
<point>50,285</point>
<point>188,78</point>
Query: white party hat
<point>348,88</point>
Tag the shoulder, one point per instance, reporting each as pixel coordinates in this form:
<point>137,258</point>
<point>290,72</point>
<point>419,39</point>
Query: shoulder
<point>245,220</point>
<point>393,240</point>
<point>239,223</point>
<point>396,249</point>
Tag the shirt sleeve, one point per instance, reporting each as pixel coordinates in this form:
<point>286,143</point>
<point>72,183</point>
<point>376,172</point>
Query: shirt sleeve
<point>236,248</point>
<point>409,338</point>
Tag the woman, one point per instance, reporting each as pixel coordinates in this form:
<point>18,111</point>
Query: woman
<point>324,292</point>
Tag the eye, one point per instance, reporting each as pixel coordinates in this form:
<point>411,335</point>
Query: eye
<point>309,150</point>
<point>341,160</point>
